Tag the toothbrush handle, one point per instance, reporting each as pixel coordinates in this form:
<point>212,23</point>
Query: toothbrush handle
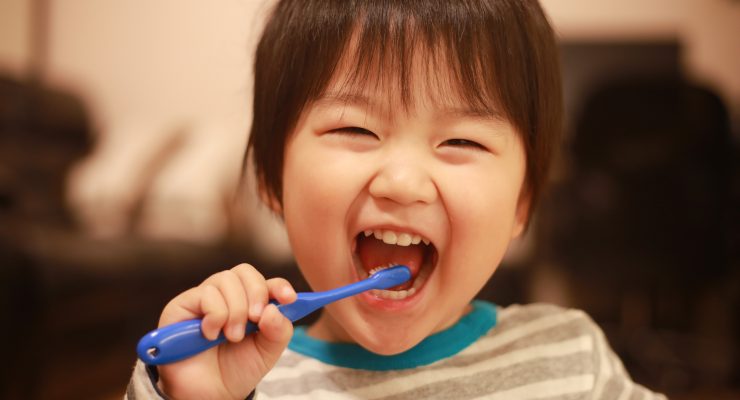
<point>178,341</point>
<point>184,339</point>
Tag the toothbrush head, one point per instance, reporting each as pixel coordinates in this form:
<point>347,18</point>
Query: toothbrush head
<point>390,277</point>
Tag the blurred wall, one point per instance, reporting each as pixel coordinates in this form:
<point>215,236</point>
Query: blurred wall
<point>167,85</point>
<point>15,37</point>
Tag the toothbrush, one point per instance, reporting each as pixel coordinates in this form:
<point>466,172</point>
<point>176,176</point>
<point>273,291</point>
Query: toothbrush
<point>184,339</point>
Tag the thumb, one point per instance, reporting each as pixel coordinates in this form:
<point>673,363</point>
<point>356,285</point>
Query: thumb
<point>274,335</point>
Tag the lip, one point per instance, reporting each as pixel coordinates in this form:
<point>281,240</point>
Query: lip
<point>388,305</point>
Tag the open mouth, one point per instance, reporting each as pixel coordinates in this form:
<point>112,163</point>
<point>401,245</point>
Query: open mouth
<point>379,249</point>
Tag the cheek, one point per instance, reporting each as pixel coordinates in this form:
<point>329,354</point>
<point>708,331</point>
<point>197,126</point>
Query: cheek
<point>320,180</point>
<point>307,206</point>
<point>315,189</point>
<point>318,191</point>
<point>482,212</point>
<point>304,181</point>
<point>481,227</point>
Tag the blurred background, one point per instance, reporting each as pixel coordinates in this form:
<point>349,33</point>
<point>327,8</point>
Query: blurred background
<point>122,129</point>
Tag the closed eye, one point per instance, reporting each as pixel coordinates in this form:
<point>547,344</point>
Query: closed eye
<point>354,130</point>
<point>464,143</point>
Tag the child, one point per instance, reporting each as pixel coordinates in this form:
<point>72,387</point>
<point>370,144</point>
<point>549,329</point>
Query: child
<point>396,132</point>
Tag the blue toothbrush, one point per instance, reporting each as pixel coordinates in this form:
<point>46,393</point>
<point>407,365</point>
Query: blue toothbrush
<point>184,339</point>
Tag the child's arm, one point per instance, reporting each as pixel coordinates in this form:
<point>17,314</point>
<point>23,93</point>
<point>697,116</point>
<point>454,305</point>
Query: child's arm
<point>225,301</point>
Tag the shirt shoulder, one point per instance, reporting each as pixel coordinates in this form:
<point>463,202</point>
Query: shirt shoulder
<point>544,322</point>
<point>562,345</point>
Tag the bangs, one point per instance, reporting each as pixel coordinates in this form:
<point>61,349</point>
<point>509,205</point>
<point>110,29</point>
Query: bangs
<point>391,50</point>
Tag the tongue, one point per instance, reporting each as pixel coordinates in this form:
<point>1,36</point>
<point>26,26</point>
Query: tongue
<point>374,253</point>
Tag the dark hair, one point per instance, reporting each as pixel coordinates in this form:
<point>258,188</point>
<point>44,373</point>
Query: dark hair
<point>501,56</point>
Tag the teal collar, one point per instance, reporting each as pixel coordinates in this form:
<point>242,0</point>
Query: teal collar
<point>434,348</point>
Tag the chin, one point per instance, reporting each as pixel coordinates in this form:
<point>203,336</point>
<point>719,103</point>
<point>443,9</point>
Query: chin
<point>386,349</point>
<point>386,344</point>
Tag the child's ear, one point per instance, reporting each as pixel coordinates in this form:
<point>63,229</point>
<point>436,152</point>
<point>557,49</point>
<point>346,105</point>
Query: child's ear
<point>522,213</point>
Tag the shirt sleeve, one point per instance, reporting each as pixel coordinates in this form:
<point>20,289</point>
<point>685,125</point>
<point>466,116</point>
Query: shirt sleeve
<point>143,384</point>
<point>612,380</point>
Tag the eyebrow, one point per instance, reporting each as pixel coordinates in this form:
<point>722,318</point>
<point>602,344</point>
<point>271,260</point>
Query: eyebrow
<point>472,113</point>
<point>361,100</point>
<point>345,98</point>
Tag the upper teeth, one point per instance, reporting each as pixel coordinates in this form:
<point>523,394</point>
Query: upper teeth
<point>397,238</point>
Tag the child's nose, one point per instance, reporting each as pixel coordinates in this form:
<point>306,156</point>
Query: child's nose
<point>404,182</point>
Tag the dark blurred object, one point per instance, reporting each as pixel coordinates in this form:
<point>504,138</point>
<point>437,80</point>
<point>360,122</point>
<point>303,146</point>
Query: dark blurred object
<point>651,162</point>
<point>641,225</point>
<point>42,133</point>
<point>19,298</point>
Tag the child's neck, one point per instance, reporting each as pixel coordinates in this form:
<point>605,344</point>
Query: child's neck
<point>327,329</point>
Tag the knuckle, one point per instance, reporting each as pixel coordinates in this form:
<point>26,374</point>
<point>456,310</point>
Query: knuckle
<point>281,285</point>
<point>210,280</point>
<point>248,273</point>
<point>280,282</point>
<point>231,276</point>
<point>208,289</point>
<point>220,280</point>
<point>172,304</point>
<point>238,310</point>
<point>243,267</point>
<point>257,289</point>
<point>220,314</point>
<point>226,275</point>
<point>212,298</point>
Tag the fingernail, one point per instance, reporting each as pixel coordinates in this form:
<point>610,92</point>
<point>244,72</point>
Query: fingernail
<point>238,330</point>
<point>256,309</point>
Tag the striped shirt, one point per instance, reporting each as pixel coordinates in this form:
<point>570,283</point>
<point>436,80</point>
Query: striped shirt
<point>535,351</point>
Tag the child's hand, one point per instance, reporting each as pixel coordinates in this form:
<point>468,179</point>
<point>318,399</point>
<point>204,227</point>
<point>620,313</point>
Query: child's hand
<point>225,301</point>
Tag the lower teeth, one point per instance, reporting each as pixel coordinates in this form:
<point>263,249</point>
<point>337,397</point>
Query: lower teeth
<point>393,294</point>
<point>398,294</point>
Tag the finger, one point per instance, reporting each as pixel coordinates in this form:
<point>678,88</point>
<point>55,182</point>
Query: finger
<point>275,333</point>
<point>256,288</point>
<point>228,283</point>
<point>215,312</point>
<point>281,290</point>
<point>184,306</point>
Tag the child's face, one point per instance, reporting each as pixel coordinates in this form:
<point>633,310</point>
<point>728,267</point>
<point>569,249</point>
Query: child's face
<point>359,161</point>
